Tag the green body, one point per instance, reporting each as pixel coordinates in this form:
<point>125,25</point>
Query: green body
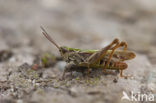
<point>118,54</point>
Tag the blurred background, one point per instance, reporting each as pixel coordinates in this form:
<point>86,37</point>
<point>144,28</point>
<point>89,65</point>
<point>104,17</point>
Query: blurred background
<point>84,24</point>
<point>87,24</point>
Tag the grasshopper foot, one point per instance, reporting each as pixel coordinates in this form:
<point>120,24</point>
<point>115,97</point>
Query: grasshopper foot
<point>126,77</point>
<point>121,75</point>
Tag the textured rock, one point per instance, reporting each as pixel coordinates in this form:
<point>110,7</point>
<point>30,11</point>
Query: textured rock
<point>90,24</point>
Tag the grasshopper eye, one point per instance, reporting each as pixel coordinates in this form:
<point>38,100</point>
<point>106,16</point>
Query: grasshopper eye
<point>63,50</point>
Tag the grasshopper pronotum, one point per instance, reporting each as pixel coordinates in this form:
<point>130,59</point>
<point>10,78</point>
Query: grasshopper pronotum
<point>105,58</point>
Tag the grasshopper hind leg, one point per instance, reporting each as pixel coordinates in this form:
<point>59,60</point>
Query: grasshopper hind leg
<point>96,57</point>
<point>114,48</point>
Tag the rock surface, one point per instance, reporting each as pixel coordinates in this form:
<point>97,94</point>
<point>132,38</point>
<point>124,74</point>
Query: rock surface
<point>89,24</point>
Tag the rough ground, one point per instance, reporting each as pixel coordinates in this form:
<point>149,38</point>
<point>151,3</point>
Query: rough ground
<point>85,24</point>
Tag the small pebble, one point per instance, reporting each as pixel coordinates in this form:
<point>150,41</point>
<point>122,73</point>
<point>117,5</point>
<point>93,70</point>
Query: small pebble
<point>115,80</point>
<point>61,65</point>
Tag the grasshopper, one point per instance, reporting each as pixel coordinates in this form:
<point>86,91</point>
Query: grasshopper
<point>105,58</point>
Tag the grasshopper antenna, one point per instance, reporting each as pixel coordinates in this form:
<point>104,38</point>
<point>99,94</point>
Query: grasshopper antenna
<point>48,37</point>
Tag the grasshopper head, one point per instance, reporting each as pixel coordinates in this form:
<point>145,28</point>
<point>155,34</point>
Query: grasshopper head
<point>63,50</point>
